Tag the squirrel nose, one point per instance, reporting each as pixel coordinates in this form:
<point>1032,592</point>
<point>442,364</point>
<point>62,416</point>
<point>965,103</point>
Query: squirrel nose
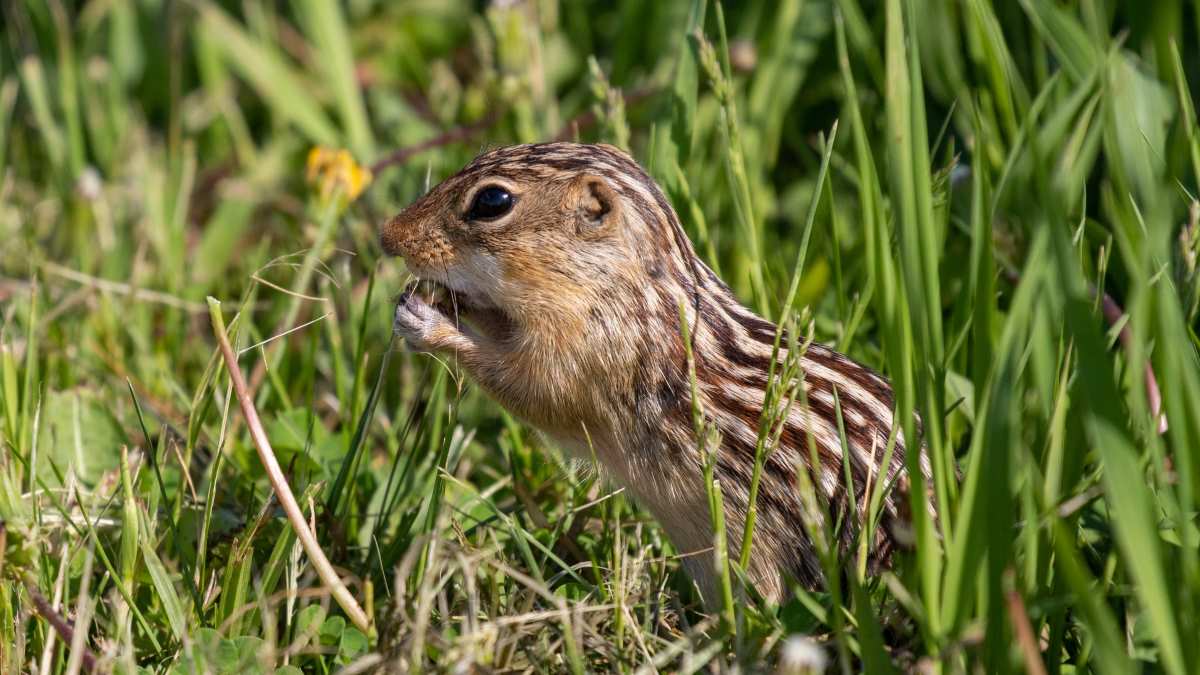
<point>391,236</point>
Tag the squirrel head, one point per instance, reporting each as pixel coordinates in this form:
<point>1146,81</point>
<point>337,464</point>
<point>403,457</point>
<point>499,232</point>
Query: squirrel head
<point>553,233</point>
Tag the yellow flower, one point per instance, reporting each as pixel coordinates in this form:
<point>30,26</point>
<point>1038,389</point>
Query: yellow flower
<point>336,171</point>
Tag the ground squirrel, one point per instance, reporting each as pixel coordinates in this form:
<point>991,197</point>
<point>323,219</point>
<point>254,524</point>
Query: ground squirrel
<point>555,273</point>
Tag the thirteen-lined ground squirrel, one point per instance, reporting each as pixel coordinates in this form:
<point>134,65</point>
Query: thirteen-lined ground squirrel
<point>566,270</point>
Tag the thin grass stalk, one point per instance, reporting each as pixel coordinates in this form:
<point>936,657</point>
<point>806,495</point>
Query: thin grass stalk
<point>910,184</point>
<point>31,399</point>
<point>33,79</point>
<point>709,445</point>
<point>326,25</point>
<point>210,497</point>
<point>279,482</point>
<point>437,496</point>
<point>327,222</point>
<point>1131,501</point>
<point>152,448</point>
<point>68,88</point>
<point>816,522</point>
<point>89,530</point>
<point>716,67</point>
<point>772,396</point>
<point>129,550</point>
<point>339,494</point>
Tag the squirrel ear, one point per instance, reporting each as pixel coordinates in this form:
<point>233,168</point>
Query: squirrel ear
<point>597,201</point>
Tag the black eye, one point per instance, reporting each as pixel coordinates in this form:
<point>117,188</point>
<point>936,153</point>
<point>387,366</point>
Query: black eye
<point>491,202</point>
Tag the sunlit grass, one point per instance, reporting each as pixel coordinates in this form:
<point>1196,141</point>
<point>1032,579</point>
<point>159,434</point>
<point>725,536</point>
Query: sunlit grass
<point>946,189</point>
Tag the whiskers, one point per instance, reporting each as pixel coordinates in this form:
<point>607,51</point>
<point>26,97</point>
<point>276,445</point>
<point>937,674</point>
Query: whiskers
<point>453,299</point>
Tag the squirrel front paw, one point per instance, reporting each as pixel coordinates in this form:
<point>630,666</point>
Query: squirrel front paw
<point>422,325</point>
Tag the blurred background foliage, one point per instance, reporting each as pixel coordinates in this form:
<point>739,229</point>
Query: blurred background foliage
<point>955,184</point>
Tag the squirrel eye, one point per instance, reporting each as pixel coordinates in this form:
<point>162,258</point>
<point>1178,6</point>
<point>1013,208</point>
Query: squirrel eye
<point>491,202</point>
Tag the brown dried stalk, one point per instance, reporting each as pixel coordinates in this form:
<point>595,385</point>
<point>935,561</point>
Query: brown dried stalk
<point>66,632</point>
<point>283,492</point>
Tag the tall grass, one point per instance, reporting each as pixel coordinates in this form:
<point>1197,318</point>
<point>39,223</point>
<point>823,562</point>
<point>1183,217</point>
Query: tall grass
<point>948,189</point>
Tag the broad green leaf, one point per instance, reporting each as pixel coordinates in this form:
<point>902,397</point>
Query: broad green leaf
<point>164,587</point>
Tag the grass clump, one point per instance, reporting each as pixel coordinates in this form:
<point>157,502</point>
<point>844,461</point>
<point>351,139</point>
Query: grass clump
<point>992,203</point>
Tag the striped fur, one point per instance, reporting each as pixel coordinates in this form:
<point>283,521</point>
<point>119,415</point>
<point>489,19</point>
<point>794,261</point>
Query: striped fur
<point>567,312</point>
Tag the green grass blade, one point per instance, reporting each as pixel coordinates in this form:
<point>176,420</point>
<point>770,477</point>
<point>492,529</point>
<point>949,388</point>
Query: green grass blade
<point>172,604</point>
<point>326,25</point>
<point>272,77</point>
<point>910,188</point>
